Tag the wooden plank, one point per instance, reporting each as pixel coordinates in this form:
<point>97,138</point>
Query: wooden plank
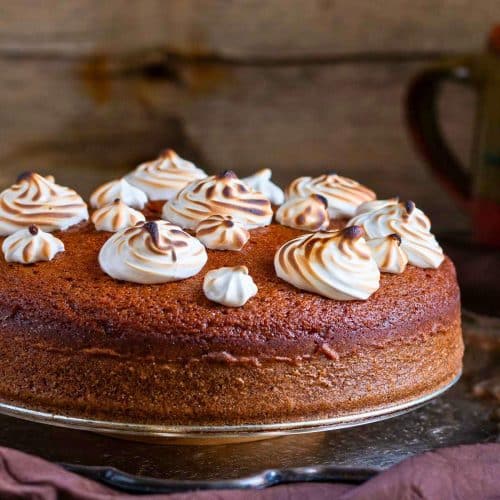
<point>254,29</point>
<point>297,119</point>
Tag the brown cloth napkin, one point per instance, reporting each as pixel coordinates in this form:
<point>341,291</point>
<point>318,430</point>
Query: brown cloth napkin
<point>463,472</point>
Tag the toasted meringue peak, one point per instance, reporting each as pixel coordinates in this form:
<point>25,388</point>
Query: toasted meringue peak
<point>35,199</point>
<point>335,264</point>
<point>118,189</point>
<point>388,253</point>
<point>222,194</point>
<point>163,178</point>
<point>116,216</point>
<point>411,224</point>
<point>261,182</point>
<point>370,206</point>
<point>222,232</point>
<point>30,245</point>
<point>229,286</point>
<point>343,195</point>
<point>308,214</point>
<point>152,253</point>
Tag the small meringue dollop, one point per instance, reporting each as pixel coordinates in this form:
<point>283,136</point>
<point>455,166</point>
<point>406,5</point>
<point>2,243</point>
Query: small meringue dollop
<point>261,182</point>
<point>30,245</point>
<point>335,264</point>
<point>222,232</point>
<point>118,189</point>
<point>151,253</point>
<point>370,206</point>
<point>116,216</point>
<point>35,199</point>
<point>308,214</point>
<point>163,178</point>
<point>388,253</point>
<point>411,224</point>
<point>229,286</point>
<point>343,195</point>
<point>222,194</point>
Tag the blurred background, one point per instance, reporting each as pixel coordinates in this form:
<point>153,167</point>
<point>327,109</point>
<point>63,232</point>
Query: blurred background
<point>90,89</point>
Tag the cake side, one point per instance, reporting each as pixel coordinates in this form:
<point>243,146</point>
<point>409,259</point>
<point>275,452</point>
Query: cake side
<point>227,390</point>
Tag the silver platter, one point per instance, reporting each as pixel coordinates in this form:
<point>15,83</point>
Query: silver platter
<point>202,434</point>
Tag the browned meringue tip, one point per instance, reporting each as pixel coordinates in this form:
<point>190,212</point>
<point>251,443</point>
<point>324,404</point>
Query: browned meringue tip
<point>395,237</point>
<point>227,174</point>
<point>228,223</point>
<point>33,229</point>
<point>353,232</point>
<point>321,199</point>
<point>25,176</point>
<point>166,153</point>
<point>152,228</point>
<point>409,206</point>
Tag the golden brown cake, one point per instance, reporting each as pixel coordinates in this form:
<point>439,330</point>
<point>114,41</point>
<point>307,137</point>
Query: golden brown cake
<point>77,342</point>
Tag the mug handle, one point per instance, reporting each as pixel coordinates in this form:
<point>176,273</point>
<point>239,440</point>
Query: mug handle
<point>423,122</point>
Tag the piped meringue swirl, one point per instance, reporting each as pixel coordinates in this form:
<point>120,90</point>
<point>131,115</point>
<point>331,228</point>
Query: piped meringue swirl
<point>343,195</point>
<point>118,189</point>
<point>222,232</point>
<point>229,286</point>
<point>30,245</point>
<point>335,264</point>
<point>388,253</point>
<point>261,182</point>
<point>38,200</point>
<point>411,224</point>
<point>308,214</point>
<point>374,225</point>
<point>116,216</point>
<point>222,194</point>
<point>163,178</point>
<point>152,253</point>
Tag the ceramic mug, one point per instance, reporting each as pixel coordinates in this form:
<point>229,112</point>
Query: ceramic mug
<point>476,188</point>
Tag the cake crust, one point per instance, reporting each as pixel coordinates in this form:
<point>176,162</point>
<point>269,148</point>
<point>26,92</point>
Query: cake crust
<point>75,341</point>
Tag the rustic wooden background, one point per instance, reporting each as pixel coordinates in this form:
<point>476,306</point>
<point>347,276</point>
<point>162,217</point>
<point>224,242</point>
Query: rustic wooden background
<point>89,89</point>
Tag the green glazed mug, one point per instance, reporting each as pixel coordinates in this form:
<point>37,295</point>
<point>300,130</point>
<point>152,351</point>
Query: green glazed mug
<point>477,188</point>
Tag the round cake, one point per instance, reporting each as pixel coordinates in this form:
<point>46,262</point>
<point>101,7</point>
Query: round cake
<point>220,316</point>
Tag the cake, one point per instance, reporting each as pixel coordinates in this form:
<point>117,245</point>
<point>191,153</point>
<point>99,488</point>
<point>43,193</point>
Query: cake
<point>201,309</point>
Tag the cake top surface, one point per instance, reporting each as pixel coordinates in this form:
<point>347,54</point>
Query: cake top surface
<point>72,299</point>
